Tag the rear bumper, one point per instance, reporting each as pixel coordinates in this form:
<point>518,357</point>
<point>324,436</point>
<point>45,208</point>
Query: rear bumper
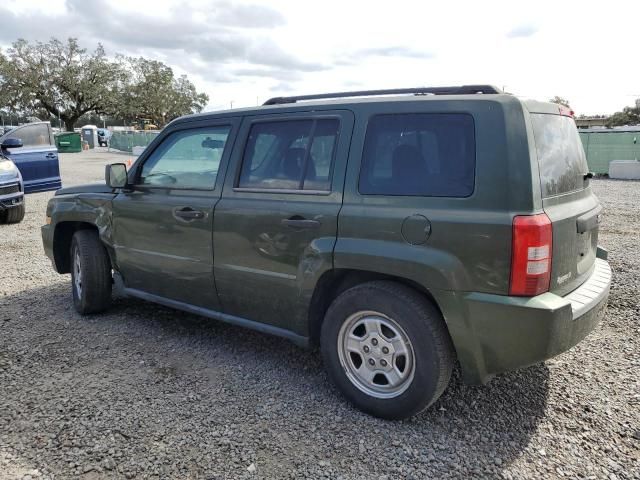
<point>494,333</point>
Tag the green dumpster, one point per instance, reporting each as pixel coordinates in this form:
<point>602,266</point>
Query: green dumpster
<point>68,142</point>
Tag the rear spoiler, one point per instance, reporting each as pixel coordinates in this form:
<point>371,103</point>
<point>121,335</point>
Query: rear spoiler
<point>534,106</point>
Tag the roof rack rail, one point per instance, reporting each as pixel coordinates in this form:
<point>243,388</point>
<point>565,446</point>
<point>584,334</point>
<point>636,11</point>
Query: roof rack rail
<point>461,90</point>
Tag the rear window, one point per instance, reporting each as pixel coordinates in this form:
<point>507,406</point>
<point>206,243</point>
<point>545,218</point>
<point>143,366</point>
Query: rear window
<point>422,154</point>
<point>561,158</point>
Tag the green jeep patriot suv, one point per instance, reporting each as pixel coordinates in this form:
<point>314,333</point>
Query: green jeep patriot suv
<point>400,230</point>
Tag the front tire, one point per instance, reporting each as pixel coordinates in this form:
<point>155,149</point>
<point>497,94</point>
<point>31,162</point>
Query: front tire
<point>13,214</point>
<point>387,349</point>
<point>91,278</point>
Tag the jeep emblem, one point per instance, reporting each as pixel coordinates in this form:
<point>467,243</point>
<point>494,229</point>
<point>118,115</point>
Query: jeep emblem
<point>564,278</point>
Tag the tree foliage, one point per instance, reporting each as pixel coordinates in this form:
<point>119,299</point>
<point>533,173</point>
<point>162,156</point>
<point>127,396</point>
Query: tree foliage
<point>560,101</point>
<point>59,78</point>
<point>628,116</point>
<point>153,92</point>
<point>64,80</point>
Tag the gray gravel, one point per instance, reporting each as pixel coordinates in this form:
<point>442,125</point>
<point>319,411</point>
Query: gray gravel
<point>146,392</point>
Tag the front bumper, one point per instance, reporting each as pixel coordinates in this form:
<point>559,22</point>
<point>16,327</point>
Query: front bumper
<point>494,333</point>
<point>47,242</point>
<point>11,195</point>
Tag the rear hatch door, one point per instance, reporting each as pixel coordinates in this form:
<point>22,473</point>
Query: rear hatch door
<point>567,199</point>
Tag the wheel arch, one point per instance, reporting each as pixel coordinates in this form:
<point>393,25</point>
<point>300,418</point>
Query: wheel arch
<point>62,236</point>
<point>333,282</point>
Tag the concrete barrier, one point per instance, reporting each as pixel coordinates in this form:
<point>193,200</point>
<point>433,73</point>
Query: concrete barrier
<point>624,169</point>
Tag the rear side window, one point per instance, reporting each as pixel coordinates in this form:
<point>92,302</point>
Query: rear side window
<point>561,158</point>
<point>36,135</point>
<point>422,154</point>
<point>290,155</point>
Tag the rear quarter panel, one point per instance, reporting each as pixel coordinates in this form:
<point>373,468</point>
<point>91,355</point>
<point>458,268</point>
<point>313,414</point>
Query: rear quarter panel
<point>469,246</point>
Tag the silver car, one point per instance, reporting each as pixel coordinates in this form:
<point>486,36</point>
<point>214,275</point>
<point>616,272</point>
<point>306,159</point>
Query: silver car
<point>12,206</point>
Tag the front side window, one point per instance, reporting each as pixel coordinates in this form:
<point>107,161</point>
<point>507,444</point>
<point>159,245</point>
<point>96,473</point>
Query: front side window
<point>290,155</point>
<point>186,159</point>
<point>36,135</point>
<point>422,154</point>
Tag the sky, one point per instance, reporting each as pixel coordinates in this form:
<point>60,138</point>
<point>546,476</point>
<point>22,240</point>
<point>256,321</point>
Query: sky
<point>243,52</point>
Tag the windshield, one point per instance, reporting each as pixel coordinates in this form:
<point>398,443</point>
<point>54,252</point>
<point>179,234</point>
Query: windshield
<point>561,158</point>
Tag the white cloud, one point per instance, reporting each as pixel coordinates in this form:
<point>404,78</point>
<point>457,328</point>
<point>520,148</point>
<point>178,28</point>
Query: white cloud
<point>240,51</point>
<point>522,31</point>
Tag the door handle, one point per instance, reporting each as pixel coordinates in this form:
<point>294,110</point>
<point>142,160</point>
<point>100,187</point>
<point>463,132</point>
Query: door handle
<point>188,214</point>
<point>51,155</point>
<point>300,222</point>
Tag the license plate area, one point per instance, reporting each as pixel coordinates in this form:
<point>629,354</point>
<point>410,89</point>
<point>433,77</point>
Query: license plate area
<point>587,244</point>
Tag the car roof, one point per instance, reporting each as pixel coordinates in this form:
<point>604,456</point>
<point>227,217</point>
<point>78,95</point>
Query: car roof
<point>346,103</point>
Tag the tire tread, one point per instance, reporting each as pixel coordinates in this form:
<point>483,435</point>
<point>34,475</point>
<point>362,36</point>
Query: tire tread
<point>97,281</point>
<point>14,214</point>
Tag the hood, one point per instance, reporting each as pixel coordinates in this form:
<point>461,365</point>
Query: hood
<point>89,188</point>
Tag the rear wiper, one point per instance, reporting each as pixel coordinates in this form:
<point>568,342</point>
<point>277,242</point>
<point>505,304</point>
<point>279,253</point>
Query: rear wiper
<point>587,175</point>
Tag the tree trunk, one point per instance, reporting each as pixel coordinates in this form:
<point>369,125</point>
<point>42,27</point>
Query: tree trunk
<point>69,123</point>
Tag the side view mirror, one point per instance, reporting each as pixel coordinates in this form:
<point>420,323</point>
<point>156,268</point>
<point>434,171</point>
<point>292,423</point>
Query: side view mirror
<point>115,175</point>
<point>211,143</point>
<point>11,143</point>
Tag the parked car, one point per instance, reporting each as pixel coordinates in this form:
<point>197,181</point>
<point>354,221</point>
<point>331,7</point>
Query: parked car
<point>12,206</point>
<point>32,148</point>
<point>399,233</point>
<point>103,137</point>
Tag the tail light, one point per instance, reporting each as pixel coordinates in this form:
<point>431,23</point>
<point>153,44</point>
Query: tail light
<point>530,255</point>
<point>566,111</point>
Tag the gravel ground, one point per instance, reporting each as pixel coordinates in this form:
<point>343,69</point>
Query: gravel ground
<point>147,392</point>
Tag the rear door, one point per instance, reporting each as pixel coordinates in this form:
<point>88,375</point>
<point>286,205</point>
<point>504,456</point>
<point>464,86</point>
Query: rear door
<point>37,160</point>
<point>276,224</point>
<point>567,199</point>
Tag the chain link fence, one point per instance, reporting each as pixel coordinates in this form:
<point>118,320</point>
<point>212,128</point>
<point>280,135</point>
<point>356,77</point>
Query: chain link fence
<point>125,141</point>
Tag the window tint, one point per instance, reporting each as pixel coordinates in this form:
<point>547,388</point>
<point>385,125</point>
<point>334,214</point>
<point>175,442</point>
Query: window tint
<point>36,135</point>
<point>291,155</point>
<point>561,157</point>
<point>419,154</point>
<point>186,159</point>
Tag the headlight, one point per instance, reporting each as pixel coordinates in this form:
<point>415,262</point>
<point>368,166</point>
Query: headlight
<point>7,166</point>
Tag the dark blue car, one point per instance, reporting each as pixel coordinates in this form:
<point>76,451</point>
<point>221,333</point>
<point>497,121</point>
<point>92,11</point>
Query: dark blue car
<point>32,148</point>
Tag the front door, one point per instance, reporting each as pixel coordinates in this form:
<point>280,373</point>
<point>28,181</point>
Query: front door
<point>162,225</point>
<point>37,159</point>
<point>276,224</point>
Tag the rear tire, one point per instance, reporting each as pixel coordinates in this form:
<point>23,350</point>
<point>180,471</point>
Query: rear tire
<point>13,214</point>
<point>387,349</point>
<point>91,278</point>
